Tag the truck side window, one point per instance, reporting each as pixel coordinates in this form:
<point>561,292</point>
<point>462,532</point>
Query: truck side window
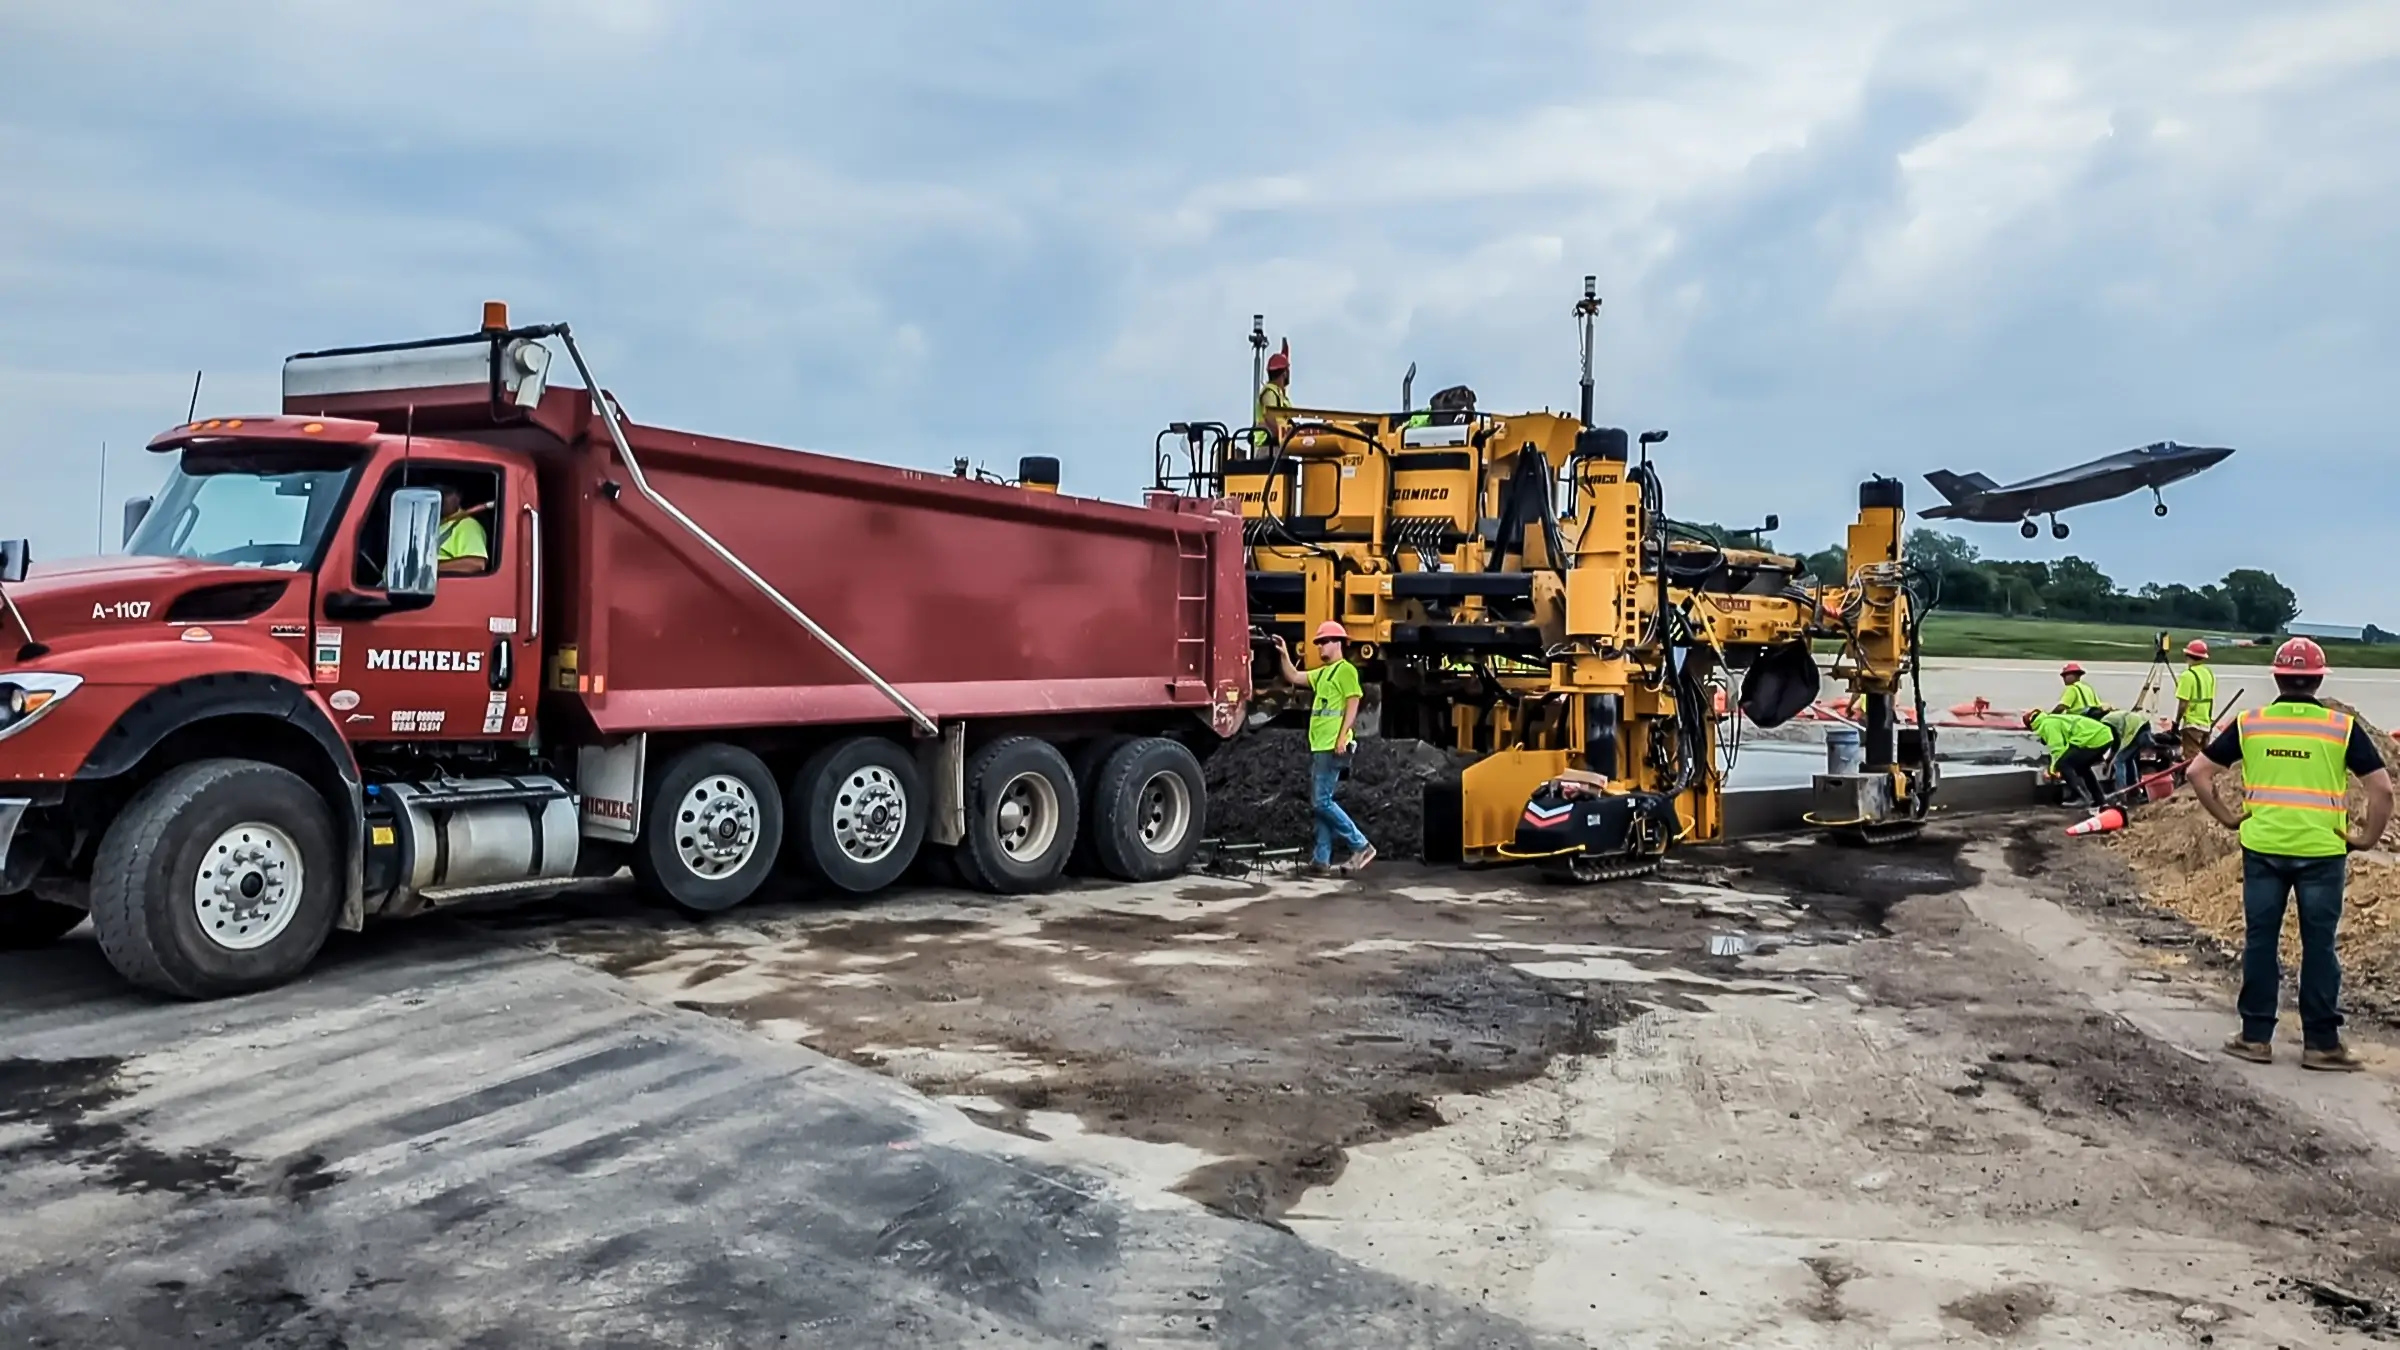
<point>471,520</point>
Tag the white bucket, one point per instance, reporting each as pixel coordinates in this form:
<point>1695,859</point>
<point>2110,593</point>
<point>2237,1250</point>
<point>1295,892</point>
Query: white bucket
<point>1844,753</point>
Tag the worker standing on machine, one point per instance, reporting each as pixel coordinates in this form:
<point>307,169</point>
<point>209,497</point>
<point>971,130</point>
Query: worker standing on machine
<point>1275,396</point>
<point>2297,758</point>
<point>2195,699</point>
<point>2076,743</point>
<point>1332,739</point>
<point>2078,697</point>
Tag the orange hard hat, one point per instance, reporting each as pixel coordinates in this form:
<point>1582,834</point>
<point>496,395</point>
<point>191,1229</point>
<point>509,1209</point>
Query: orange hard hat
<point>2070,668</point>
<point>1282,359</point>
<point>2195,649</point>
<point>2299,657</point>
<point>1331,630</point>
<point>2030,714</point>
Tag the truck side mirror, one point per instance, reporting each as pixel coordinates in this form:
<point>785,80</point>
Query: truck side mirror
<point>412,551</point>
<point>137,510</point>
<point>1773,524</point>
<point>16,555</point>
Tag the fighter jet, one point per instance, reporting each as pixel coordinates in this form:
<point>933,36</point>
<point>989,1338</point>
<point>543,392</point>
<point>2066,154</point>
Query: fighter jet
<point>1975,497</point>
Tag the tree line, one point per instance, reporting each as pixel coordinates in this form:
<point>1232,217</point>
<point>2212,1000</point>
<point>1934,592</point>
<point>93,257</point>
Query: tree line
<point>2244,600</point>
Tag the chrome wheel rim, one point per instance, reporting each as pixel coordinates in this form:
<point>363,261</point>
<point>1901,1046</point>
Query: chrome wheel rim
<point>1163,811</point>
<point>248,888</point>
<point>870,810</point>
<point>716,827</point>
<point>1028,817</point>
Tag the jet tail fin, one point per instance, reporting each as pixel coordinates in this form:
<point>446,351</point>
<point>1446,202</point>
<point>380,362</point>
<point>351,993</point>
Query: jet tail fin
<point>1956,487</point>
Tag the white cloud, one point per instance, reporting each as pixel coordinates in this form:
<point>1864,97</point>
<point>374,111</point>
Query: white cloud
<point>1833,240</point>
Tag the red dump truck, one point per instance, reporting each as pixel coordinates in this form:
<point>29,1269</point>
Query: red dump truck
<point>440,629</point>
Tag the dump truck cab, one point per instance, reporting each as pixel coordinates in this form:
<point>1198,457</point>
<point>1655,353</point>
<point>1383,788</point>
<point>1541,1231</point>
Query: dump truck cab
<point>282,603</point>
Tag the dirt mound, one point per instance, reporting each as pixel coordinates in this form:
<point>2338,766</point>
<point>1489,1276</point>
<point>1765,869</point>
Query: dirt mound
<point>2192,865</point>
<point>1258,790</point>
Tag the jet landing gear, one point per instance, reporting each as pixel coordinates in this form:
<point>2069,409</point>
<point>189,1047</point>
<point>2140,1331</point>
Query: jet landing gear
<point>2058,528</point>
<point>2160,498</point>
<point>2029,529</point>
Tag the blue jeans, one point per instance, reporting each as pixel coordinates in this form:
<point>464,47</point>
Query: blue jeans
<point>2267,880</point>
<point>1324,774</point>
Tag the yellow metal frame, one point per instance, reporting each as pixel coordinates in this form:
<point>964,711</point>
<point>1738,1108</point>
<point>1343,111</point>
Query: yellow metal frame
<point>1597,608</point>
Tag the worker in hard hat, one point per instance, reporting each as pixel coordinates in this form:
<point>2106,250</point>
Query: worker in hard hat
<point>1332,738</point>
<point>2297,758</point>
<point>1275,396</point>
<point>2076,743</point>
<point>2195,699</point>
<point>2077,697</point>
<point>2130,737</point>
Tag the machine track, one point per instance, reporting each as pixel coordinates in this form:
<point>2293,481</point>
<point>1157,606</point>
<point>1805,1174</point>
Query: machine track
<point>1892,832</point>
<point>1587,871</point>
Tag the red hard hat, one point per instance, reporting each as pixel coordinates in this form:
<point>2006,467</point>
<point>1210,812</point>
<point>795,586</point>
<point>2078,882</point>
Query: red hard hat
<point>2195,647</point>
<point>2070,668</point>
<point>1330,629</point>
<point>1282,359</point>
<point>2299,657</point>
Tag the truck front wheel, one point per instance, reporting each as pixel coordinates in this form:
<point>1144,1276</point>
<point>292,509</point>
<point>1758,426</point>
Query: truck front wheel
<point>220,876</point>
<point>715,825</point>
<point>1022,811</point>
<point>27,923</point>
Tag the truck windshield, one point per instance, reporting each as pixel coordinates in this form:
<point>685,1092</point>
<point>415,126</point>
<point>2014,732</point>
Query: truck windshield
<point>255,510</point>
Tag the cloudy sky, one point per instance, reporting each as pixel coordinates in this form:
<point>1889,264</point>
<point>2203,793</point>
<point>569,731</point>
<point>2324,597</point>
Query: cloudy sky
<point>1833,239</point>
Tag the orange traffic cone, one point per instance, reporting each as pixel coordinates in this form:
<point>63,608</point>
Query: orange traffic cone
<point>2102,823</point>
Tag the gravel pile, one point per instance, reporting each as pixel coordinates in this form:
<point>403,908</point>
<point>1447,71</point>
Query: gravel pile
<point>1258,790</point>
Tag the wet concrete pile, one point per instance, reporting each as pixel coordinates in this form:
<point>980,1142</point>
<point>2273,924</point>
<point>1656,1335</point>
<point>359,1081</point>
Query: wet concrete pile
<point>1258,790</point>
<point>2192,865</point>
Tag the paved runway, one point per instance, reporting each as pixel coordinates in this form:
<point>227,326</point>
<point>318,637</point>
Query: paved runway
<point>440,1140</point>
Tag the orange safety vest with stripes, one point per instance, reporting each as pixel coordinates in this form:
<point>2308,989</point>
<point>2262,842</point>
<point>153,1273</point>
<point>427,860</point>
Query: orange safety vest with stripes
<point>2295,781</point>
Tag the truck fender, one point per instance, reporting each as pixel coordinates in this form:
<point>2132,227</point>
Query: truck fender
<point>166,710</point>
<point>943,761</point>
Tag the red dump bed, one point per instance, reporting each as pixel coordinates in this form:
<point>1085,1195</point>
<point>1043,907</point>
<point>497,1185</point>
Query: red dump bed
<point>974,599</point>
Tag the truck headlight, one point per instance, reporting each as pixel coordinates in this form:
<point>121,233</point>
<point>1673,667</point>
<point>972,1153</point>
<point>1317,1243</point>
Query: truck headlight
<point>25,695</point>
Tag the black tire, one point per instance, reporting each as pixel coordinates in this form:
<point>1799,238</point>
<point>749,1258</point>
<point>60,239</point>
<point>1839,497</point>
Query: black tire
<point>27,923</point>
<point>1024,852</point>
<point>837,839</point>
<point>163,932</point>
<point>718,806</point>
<point>1086,762</point>
<point>1149,803</point>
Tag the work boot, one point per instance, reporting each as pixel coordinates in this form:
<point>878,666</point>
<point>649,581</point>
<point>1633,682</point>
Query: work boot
<point>2257,1052</point>
<point>2340,1059</point>
<point>1359,860</point>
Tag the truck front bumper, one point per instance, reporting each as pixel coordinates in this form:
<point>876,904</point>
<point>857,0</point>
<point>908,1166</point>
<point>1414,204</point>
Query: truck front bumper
<point>12,814</point>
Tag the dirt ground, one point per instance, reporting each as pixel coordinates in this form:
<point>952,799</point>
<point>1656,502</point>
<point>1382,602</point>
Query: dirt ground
<point>1784,1093</point>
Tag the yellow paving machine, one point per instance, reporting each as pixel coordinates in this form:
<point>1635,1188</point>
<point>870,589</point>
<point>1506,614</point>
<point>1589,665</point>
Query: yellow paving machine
<point>1515,591</point>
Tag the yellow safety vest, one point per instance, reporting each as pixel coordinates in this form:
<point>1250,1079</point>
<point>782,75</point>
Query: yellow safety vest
<point>2078,697</point>
<point>2061,732</point>
<point>2196,697</point>
<point>1271,398</point>
<point>2295,781</point>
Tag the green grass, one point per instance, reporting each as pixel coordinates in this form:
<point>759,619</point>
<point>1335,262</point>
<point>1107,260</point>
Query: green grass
<point>1986,635</point>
